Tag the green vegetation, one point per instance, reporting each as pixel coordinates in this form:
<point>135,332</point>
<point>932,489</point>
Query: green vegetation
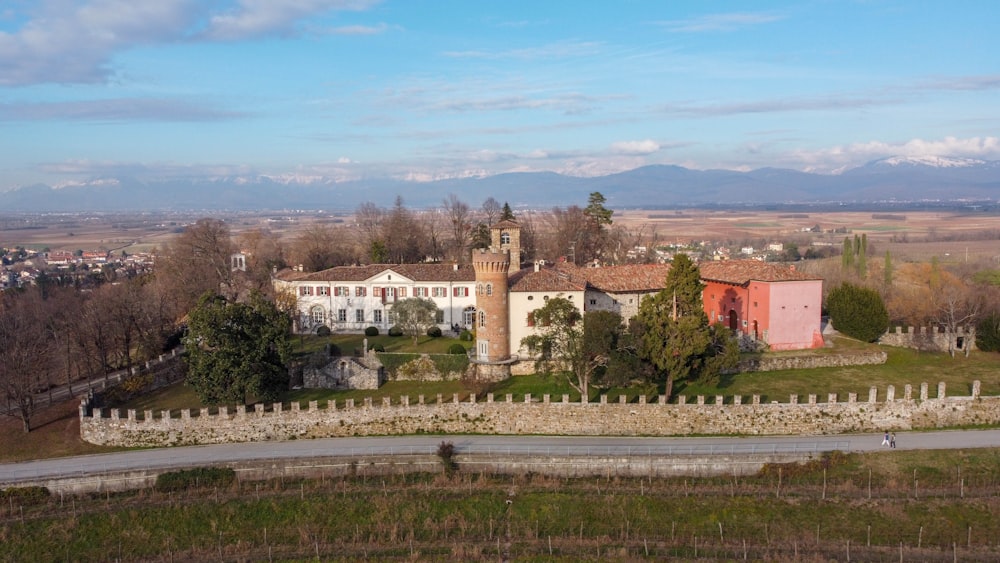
<point>858,312</point>
<point>927,506</point>
<point>236,351</point>
<point>203,477</point>
<point>988,333</point>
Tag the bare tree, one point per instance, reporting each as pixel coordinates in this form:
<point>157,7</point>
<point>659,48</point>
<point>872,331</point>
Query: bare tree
<point>26,351</point>
<point>318,247</point>
<point>492,210</point>
<point>196,262</point>
<point>459,218</point>
<point>956,308</point>
<point>368,221</point>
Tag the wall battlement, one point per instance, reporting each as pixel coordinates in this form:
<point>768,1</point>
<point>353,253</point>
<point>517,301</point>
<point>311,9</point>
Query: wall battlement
<point>649,416</point>
<point>931,338</point>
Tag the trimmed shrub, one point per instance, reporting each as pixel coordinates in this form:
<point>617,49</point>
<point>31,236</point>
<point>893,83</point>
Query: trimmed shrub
<point>858,312</point>
<point>371,331</point>
<point>456,349</point>
<point>466,336</point>
<point>26,495</point>
<point>323,330</point>
<point>395,331</point>
<point>434,331</point>
<point>378,348</point>
<point>194,478</point>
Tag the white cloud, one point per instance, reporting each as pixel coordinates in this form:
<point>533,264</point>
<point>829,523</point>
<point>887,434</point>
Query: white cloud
<point>719,22</point>
<point>255,18</point>
<point>647,146</point>
<point>845,156</point>
<point>75,41</point>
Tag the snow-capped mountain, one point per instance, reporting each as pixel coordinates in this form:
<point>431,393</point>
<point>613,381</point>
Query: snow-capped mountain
<point>898,179</point>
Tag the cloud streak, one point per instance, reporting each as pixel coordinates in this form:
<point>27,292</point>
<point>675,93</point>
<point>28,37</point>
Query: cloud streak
<point>111,110</point>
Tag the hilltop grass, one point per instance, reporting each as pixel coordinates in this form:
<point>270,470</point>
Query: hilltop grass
<point>918,506</point>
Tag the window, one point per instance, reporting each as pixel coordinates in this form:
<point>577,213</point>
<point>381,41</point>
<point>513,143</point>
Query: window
<point>531,318</point>
<point>323,290</point>
<point>359,315</point>
<point>460,291</point>
<point>401,292</point>
<point>489,289</point>
<point>391,317</point>
<point>439,316</point>
<point>420,292</point>
<point>440,292</point>
<point>305,290</point>
<point>469,316</point>
<point>504,237</point>
<point>341,291</point>
<point>482,319</point>
<point>317,315</point>
<point>376,292</point>
<point>377,316</point>
<point>593,301</point>
<point>360,291</point>
<point>341,315</point>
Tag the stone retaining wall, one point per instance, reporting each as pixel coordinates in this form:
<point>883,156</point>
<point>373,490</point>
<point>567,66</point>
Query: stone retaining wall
<point>777,362</point>
<point>931,339</point>
<point>714,415</point>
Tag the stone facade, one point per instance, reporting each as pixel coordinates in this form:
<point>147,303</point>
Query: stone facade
<point>776,362</point>
<point>344,372</point>
<point>714,415</point>
<point>931,339</point>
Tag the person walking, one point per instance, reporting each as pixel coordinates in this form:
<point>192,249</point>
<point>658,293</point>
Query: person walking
<point>892,440</point>
<point>885,439</point>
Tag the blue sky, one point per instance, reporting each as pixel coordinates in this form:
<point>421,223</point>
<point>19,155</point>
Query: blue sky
<point>415,89</point>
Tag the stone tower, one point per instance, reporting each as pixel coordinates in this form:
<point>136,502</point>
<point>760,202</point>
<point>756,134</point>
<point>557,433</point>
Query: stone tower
<point>491,357</point>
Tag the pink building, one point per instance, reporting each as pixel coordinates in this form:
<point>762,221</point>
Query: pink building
<point>770,302</point>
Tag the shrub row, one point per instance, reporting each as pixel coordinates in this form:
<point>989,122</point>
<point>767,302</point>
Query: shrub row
<point>193,478</point>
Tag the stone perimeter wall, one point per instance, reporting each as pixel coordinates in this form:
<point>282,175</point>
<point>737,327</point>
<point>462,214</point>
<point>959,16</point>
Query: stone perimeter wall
<point>546,417</point>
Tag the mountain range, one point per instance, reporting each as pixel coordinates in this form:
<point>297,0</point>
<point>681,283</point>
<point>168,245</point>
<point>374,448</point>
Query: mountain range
<point>891,180</point>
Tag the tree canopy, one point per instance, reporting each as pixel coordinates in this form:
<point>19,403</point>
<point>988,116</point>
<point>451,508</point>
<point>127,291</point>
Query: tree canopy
<point>415,315</point>
<point>562,340</point>
<point>672,327</point>
<point>858,312</point>
<point>237,351</point>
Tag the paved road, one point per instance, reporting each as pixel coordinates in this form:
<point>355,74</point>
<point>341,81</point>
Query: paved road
<point>164,458</point>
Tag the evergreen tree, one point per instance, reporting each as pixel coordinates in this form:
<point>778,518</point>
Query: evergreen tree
<point>847,255</point>
<point>862,257</point>
<point>672,327</point>
<point>858,312</point>
<point>237,352</point>
<point>887,270</point>
<point>988,333</point>
<point>507,214</point>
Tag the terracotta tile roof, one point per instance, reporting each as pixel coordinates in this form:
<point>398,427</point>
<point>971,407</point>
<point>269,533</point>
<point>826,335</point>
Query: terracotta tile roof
<point>740,272</point>
<point>415,272</point>
<point>630,278</point>
<point>546,279</point>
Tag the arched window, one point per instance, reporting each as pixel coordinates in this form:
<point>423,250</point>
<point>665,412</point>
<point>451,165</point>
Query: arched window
<point>482,319</point>
<point>504,237</point>
<point>317,315</point>
<point>489,289</point>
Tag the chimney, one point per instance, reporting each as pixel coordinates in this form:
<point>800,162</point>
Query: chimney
<point>454,266</point>
<point>538,265</point>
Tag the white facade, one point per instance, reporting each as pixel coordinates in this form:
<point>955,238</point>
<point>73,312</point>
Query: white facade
<point>352,305</point>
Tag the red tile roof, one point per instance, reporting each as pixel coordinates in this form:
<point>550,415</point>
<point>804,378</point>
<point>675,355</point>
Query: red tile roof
<point>630,278</point>
<point>546,279</point>
<point>415,272</point>
<point>740,272</point>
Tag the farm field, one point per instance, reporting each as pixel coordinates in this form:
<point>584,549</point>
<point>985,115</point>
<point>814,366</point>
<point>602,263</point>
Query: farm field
<point>951,236</point>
